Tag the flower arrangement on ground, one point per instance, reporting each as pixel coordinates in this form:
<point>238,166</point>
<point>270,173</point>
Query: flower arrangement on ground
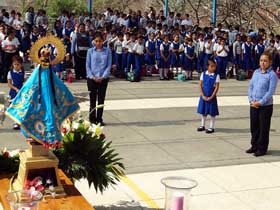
<point>9,161</point>
<point>85,153</point>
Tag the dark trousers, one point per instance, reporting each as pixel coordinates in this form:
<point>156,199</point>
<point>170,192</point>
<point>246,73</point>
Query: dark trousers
<point>96,91</point>
<point>80,67</point>
<point>260,119</point>
<point>7,61</point>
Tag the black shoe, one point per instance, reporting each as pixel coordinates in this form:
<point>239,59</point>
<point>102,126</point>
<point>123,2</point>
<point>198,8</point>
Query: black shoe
<point>201,128</point>
<point>210,130</point>
<point>161,78</point>
<point>251,150</point>
<point>259,153</point>
<point>166,78</point>
<point>16,126</point>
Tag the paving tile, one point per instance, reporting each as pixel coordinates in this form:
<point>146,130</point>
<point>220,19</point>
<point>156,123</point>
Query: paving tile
<point>262,199</point>
<point>210,150</point>
<point>223,201</point>
<point>144,155</point>
<point>243,177</point>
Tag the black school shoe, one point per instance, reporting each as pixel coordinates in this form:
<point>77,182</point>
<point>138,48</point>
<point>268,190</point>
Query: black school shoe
<point>259,153</point>
<point>210,130</point>
<point>201,128</point>
<point>251,150</point>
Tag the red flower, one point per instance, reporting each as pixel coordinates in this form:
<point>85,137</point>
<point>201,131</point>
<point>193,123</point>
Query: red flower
<point>6,154</point>
<point>40,188</point>
<point>63,130</point>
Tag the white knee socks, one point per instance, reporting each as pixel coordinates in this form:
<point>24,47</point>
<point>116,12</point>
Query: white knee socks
<point>203,120</point>
<point>212,122</point>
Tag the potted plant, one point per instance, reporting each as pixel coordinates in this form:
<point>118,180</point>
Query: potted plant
<point>85,153</point>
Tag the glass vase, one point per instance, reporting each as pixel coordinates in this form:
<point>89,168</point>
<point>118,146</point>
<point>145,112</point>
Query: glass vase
<point>177,192</point>
<point>24,199</point>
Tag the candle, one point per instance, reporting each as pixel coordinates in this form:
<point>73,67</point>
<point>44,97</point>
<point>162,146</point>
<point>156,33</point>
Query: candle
<point>177,202</point>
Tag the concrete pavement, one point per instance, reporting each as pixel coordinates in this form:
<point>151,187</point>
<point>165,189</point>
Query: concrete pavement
<point>158,137</point>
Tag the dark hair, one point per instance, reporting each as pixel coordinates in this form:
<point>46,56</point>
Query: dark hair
<point>268,54</point>
<point>98,34</point>
<point>17,58</point>
<point>212,60</point>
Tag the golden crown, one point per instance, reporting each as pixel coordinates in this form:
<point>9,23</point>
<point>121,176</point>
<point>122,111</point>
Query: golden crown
<point>44,41</point>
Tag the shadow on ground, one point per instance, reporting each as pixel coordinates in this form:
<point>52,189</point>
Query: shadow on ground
<point>124,205</point>
<point>274,152</point>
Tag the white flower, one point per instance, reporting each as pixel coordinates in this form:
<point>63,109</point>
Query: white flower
<point>14,152</point>
<point>48,181</point>
<point>39,183</point>
<point>32,189</point>
<point>96,130</point>
<point>87,124</point>
<point>51,188</point>
<point>75,125</point>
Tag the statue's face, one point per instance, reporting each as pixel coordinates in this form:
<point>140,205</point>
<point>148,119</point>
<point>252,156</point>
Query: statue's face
<point>45,52</point>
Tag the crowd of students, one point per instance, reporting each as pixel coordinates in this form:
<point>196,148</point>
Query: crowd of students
<point>142,44</point>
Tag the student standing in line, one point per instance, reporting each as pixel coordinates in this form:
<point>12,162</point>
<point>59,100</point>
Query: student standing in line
<point>208,86</point>
<point>261,89</point>
<point>16,78</point>
<point>98,66</point>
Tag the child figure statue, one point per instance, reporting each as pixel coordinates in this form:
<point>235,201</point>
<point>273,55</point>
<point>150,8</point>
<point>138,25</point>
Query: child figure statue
<point>44,102</point>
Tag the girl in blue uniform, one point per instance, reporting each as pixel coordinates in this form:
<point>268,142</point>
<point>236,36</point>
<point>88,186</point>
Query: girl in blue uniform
<point>164,58</point>
<point>189,59</point>
<point>247,54</point>
<point>175,58</point>
<point>208,87</point>
<point>259,49</point>
<point>35,34</point>
<point>158,43</point>
<point>66,36</point>
<point>150,53</point>
<point>15,79</point>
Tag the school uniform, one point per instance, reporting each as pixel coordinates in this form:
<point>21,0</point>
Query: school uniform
<point>259,49</point>
<point>165,48</point>
<point>25,41</point>
<point>247,56</point>
<point>139,60</point>
<point>67,32</point>
<point>151,46</point>
<point>208,54</point>
<point>200,55</point>
<point>222,60</point>
<point>175,59</point>
<point>34,37</point>
<point>209,81</point>
<point>237,53</point>
<point>130,57</point>
<point>158,43</point>
<point>10,49</point>
<point>118,46</point>
<point>17,78</point>
<point>189,64</point>
<point>125,55</point>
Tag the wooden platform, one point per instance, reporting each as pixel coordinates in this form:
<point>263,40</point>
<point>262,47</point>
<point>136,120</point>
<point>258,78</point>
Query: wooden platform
<point>73,201</point>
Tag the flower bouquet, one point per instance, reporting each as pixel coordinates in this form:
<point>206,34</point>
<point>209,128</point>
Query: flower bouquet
<point>41,184</point>
<point>9,161</point>
<point>85,153</point>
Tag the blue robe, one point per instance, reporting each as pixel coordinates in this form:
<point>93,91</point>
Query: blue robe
<point>41,119</point>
